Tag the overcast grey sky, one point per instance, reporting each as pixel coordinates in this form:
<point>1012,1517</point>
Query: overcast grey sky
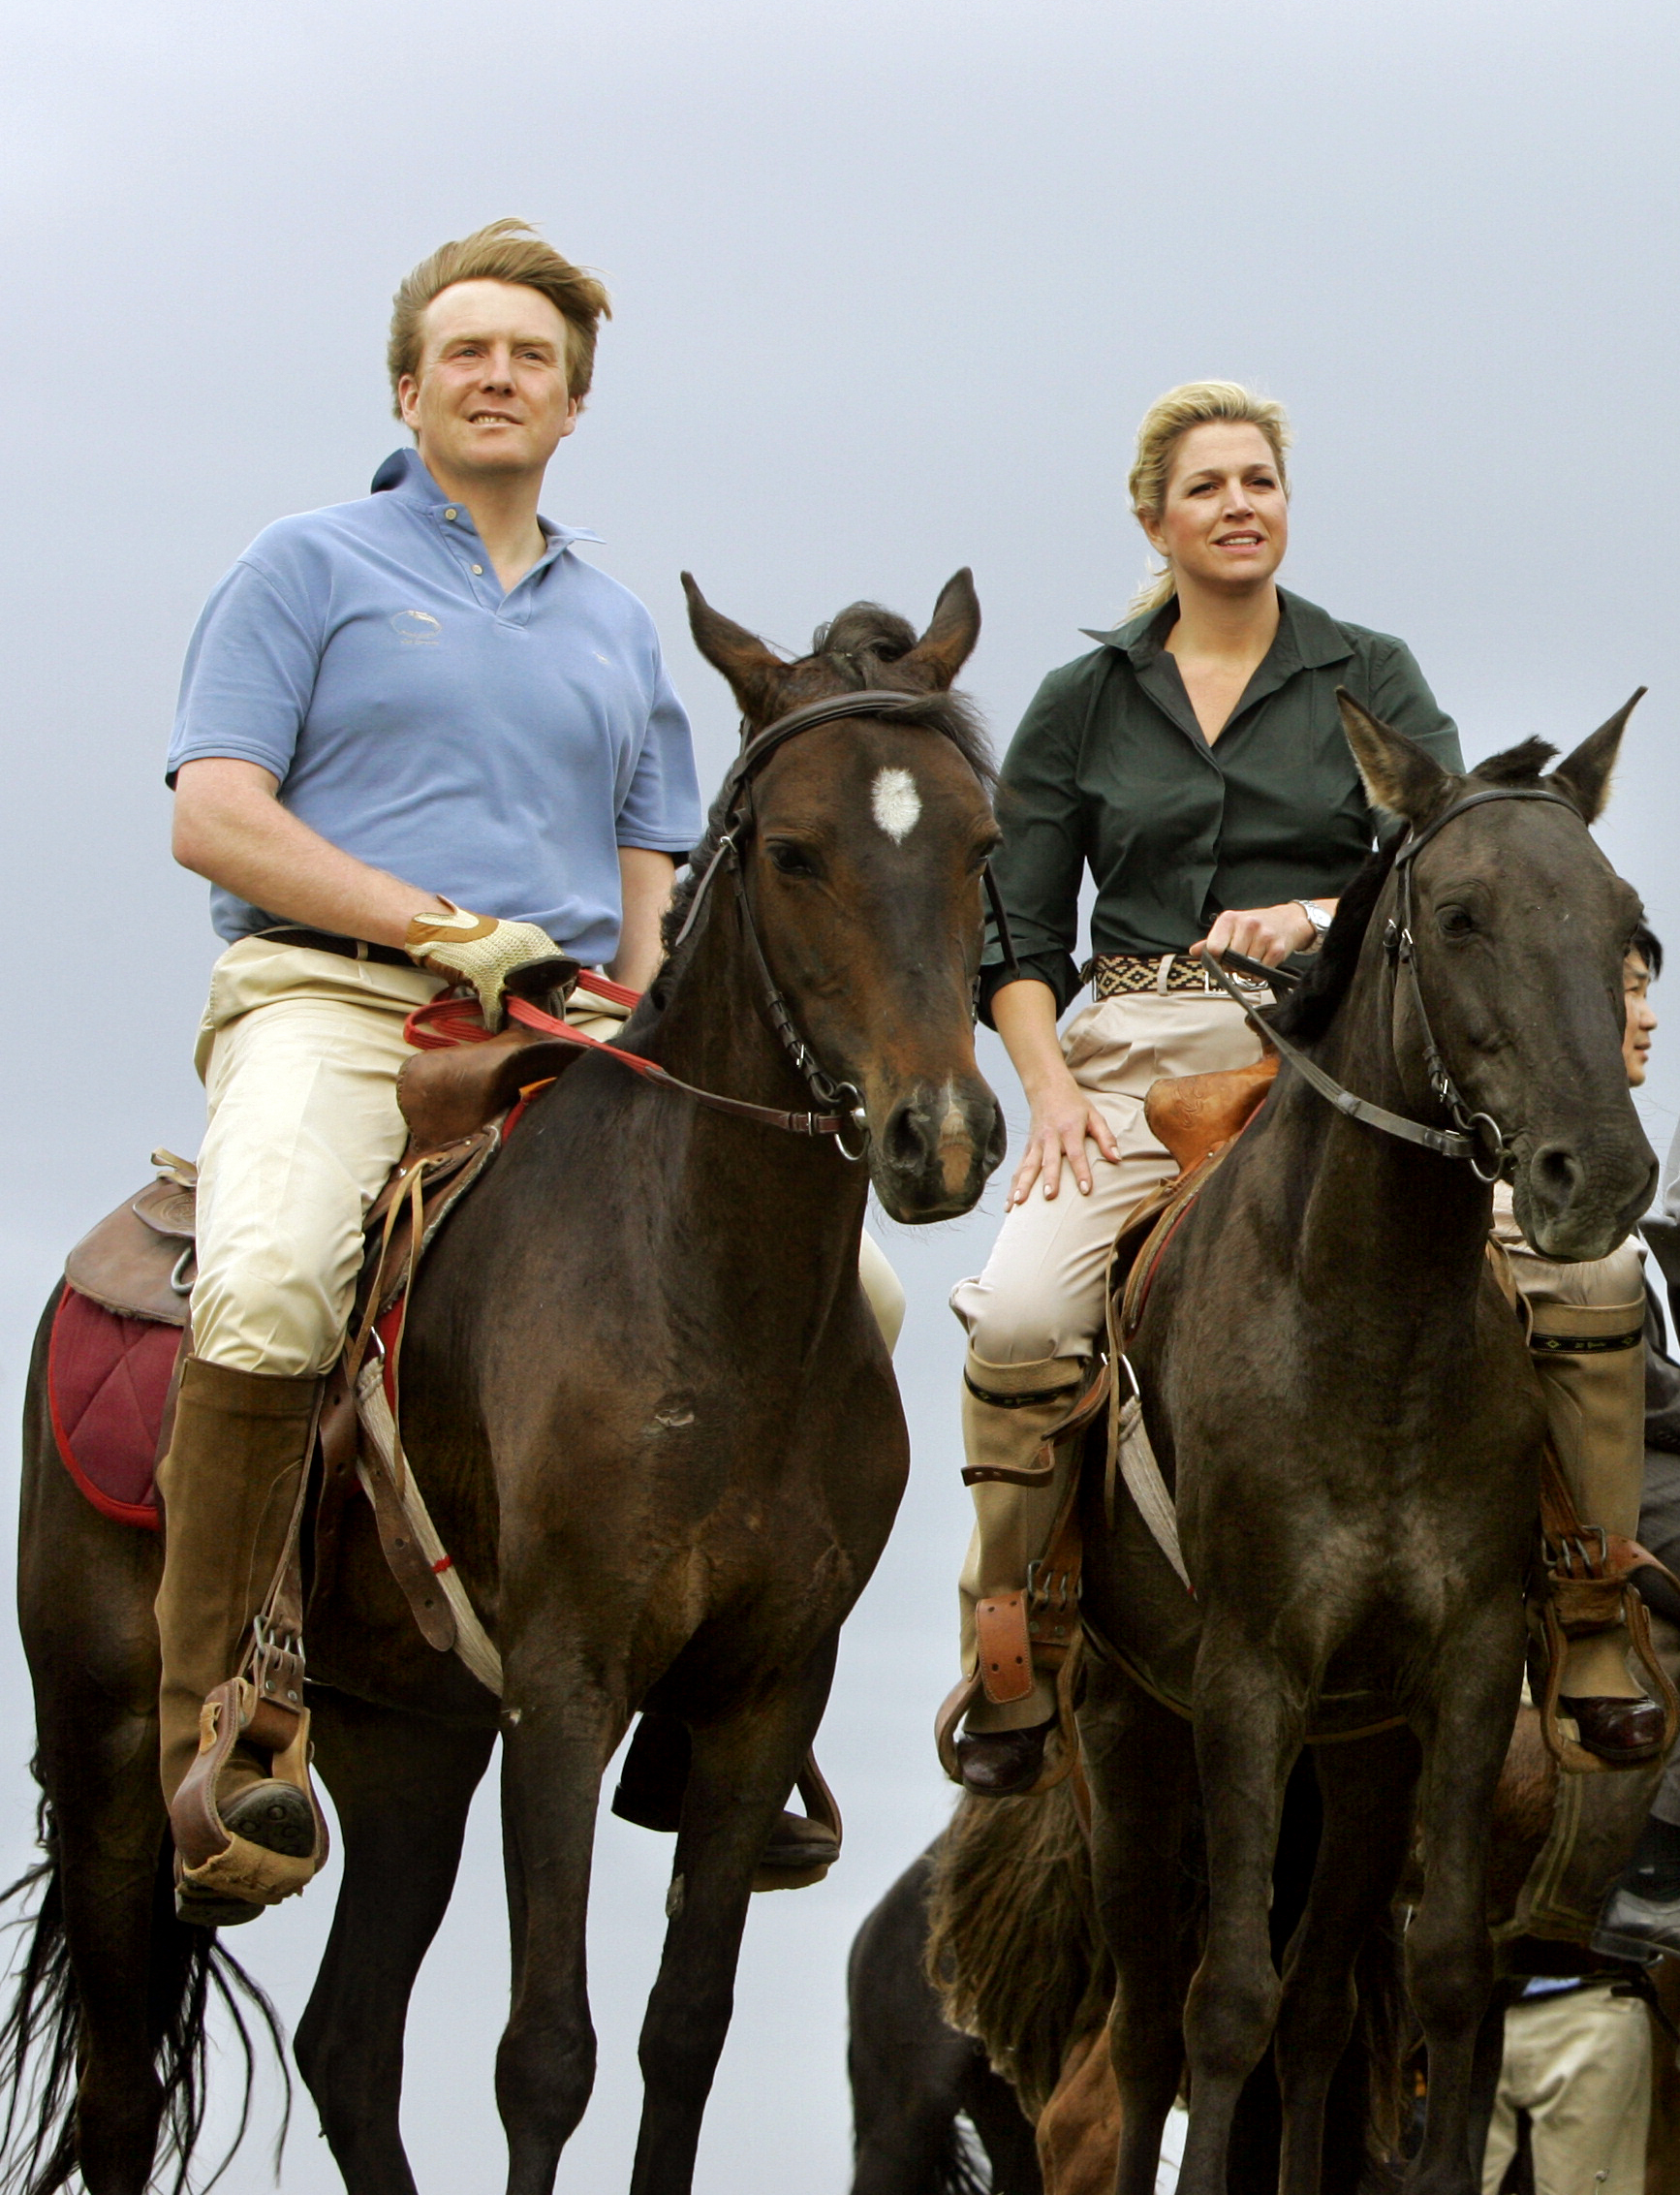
<point>893,285</point>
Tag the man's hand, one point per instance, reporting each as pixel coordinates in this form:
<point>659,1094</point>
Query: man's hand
<point>478,950</point>
<point>1263,933</point>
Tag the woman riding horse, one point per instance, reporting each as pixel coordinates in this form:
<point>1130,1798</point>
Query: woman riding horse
<point>1197,762</point>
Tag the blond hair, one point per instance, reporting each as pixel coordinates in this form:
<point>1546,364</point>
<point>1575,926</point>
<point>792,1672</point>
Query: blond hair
<point>504,251</point>
<point>1165,425</point>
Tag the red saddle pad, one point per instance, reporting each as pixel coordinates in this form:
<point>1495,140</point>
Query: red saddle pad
<point>107,1381</point>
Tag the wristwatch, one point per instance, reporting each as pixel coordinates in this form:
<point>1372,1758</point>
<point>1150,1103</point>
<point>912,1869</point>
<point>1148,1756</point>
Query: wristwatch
<point>1320,921</point>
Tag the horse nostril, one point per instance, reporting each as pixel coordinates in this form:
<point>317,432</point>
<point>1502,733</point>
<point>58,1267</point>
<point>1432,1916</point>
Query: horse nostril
<point>905,1144</point>
<point>1556,1176</point>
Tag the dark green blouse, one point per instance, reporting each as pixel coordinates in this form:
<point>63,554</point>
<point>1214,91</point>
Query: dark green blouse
<point>1110,768</point>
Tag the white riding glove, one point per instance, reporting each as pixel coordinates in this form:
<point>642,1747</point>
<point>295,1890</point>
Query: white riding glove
<point>478,950</point>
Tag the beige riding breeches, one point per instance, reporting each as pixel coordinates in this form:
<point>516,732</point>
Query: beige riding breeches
<point>1578,2064</point>
<point>299,1051</point>
<point>1036,1312</point>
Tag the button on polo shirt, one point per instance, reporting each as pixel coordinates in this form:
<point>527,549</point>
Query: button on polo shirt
<point>498,748</point>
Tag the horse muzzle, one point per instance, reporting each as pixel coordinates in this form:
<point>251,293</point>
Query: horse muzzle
<point>1574,1203</point>
<point>935,1151</point>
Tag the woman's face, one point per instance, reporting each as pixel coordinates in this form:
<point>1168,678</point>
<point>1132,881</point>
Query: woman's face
<point>1226,520</point>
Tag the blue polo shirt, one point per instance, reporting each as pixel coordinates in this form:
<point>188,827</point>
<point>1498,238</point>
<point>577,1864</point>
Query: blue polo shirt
<point>496,748</point>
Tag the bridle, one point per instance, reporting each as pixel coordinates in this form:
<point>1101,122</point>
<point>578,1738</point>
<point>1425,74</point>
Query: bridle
<point>1473,1136</point>
<point>841,1110</point>
<point>840,1102</point>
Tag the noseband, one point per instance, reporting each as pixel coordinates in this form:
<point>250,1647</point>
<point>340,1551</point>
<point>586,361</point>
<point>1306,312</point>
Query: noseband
<point>1473,1136</point>
<point>841,1102</point>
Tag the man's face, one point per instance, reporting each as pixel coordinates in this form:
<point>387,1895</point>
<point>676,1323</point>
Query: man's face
<point>490,395</point>
<point>1641,1021</point>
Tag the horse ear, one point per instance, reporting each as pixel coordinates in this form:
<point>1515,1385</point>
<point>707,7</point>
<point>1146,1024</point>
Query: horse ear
<point>1398,774</point>
<point>1585,775</point>
<point>753,673</point>
<point>949,638</point>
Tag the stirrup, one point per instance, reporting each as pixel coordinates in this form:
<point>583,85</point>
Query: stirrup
<point>213,1863</point>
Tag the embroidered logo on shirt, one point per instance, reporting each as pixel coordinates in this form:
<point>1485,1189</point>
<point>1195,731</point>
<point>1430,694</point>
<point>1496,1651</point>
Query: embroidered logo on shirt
<point>416,628</point>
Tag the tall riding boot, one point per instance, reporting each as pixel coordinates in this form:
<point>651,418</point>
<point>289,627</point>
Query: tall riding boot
<point>228,1484</point>
<point>1007,1411</point>
<point>1591,1363</point>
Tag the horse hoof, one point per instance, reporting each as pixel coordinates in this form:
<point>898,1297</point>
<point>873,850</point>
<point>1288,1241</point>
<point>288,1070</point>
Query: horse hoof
<point>995,1763</point>
<point>1621,1732</point>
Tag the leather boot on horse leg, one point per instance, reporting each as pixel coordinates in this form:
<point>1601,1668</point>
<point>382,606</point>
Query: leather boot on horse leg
<point>1591,1362</point>
<point>1007,1413</point>
<point>230,1485</point>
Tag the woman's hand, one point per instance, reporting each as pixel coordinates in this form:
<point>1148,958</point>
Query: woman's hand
<point>1063,1117</point>
<point>1063,1120</point>
<point>1263,933</point>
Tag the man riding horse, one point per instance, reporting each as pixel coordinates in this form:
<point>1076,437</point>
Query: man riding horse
<point>420,743</point>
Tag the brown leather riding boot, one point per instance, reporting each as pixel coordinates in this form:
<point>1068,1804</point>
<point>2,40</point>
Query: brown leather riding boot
<point>1591,1364</point>
<point>229,1485</point>
<point>1007,1410</point>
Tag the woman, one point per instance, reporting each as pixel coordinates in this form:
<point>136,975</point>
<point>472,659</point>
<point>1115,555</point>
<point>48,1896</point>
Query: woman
<point>1196,760</point>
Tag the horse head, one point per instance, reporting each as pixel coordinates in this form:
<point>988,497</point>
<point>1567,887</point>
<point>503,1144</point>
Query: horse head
<point>862,844</point>
<point>1518,929</point>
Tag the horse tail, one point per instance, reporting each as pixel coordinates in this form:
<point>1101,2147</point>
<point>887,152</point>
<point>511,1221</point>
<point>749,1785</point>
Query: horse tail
<point>1012,1945</point>
<point>42,2037</point>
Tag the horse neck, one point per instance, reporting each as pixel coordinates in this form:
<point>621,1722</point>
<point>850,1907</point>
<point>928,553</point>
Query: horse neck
<point>1415,1223</point>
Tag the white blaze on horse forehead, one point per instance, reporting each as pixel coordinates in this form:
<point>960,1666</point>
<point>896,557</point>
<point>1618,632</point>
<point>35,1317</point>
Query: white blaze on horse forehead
<point>895,803</point>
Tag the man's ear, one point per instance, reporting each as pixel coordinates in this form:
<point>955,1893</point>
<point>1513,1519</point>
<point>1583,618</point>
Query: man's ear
<point>1397,774</point>
<point>953,631</point>
<point>1585,775</point>
<point>753,673</point>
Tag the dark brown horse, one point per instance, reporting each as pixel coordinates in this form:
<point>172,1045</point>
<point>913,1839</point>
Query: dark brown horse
<point>657,1431</point>
<point>1340,1399</point>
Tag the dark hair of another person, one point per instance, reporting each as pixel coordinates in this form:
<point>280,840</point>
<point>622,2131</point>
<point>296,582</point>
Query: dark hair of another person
<point>1649,946</point>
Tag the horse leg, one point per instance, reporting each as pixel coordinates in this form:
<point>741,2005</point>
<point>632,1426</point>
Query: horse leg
<point>742,1773</point>
<point>556,1742</point>
<point>402,1787</point>
<point>1367,1790</point>
<point>1140,1761</point>
<point>1248,1732</point>
<point>1464,1730</point>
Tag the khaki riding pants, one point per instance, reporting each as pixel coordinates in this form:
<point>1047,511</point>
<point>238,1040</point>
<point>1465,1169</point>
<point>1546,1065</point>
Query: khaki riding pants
<point>299,1053</point>
<point>1579,2065</point>
<point>1036,1313</point>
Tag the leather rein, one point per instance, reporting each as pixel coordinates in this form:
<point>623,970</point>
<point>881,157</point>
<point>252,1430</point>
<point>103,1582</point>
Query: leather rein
<point>841,1110</point>
<point>1473,1136</point>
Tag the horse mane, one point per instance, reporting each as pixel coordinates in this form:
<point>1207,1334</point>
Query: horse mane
<point>860,649</point>
<point>1308,1011</point>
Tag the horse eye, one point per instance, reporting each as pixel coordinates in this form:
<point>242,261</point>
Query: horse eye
<point>789,860</point>
<point>1457,922</point>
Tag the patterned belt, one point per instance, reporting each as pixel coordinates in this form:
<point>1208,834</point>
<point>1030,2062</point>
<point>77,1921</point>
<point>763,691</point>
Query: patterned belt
<point>1120,975</point>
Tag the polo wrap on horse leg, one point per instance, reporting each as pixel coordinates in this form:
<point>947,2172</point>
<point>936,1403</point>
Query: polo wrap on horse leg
<point>229,1620</point>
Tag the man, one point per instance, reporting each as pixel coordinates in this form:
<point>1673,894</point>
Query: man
<point>419,742</point>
